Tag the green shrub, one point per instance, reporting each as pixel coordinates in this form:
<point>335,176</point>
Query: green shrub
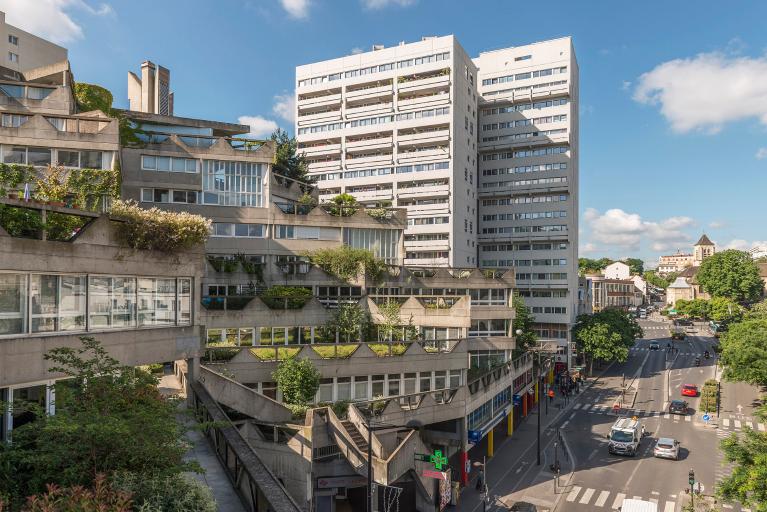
<point>342,205</point>
<point>286,297</point>
<point>93,97</point>
<point>12,176</point>
<point>21,222</point>
<point>104,497</point>
<point>345,262</point>
<point>298,380</point>
<point>165,493</point>
<point>159,230</point>
<point>298,410</point>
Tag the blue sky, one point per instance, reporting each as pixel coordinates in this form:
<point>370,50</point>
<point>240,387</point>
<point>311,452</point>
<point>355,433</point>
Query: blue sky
<point>673,94</point>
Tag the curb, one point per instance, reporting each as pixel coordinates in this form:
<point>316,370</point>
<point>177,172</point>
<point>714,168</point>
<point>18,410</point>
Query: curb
<point>570,475</point>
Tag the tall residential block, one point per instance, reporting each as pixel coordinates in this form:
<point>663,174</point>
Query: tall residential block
<point>399,124</point>
<point>528,177</point>
<point>150,93</point>
<point>22,51</point>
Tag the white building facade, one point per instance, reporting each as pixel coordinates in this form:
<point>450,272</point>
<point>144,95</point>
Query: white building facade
<point>399,124</point>
<point>528,177</point>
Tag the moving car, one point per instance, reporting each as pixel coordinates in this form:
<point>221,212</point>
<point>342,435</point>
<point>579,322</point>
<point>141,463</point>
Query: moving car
<point>666,448</point>
<point>677,407</point>
<point>689,390</point>
<point>625,436</point>
<point>632,505</point>
<point>654,345</point>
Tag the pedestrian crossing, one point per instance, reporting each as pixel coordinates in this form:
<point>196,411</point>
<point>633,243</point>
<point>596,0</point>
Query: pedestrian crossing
<point>600,498</point>
<point>603,498</point>
<point>645,349</point>
<point>726,424</point>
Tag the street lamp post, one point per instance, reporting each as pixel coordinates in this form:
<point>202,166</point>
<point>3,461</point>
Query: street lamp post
<point>484,491</point>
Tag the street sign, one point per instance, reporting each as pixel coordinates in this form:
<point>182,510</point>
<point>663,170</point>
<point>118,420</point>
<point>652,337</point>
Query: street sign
<point>706,418</point>
<point>438,460</point>
<point>438,475</point>
<point>341,481</point>
<point>424,457</point>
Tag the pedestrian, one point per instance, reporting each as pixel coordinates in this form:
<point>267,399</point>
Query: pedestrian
<point>481,479</point>
<point>551,395</point>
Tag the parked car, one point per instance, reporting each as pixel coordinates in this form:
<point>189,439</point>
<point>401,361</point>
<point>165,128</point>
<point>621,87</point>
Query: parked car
<point>678,407</point>
<point>689,390</point>
<point>666,448</point>
<point>654,345</point>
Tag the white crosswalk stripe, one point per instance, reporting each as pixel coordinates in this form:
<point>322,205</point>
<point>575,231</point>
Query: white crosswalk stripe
<point>602,499</point>
<point>688,418</point>
<point>666,416</point>
<point>726,422</point>
<point>573,493</point>
<point>587,496</point>
<point>670,506</point>
<point>760,426</point>
<point>737,423</point>
<point>577,406</point>
<point>618,501</point>
<point>586,407</point>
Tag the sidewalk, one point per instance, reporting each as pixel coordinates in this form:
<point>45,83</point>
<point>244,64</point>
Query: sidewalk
<point>512,474</point>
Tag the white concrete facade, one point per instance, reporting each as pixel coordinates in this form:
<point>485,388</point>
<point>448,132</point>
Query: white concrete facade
<point>399,124</point>
<point>528,174</point>
<point>22,51</point>
<point>617,270</point>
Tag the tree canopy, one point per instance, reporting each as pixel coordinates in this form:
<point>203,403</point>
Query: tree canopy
<point>732,274</point>
<point>636,265</point>
<point>298,380</point>
<point>109,418</point>
<point>287,161</point>
<point>589,266</point>
<point>747,482</point>
<point>744,352</point>
<point>523,320</point>
<point>652,277</point>
<point>606,335</point>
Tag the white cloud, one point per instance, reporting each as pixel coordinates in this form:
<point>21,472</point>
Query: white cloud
<point>259,126</point>
<point>706,92</point>
<point>285,107</point>
<point>380,4</point>
<point>357,50</point>
<point>50,19</point>
<point>716,224</point>
<point>761,153</point>
<point>626,231</point>
<point>745,245</point>
<point>298,9</point>
<point>588,248</point>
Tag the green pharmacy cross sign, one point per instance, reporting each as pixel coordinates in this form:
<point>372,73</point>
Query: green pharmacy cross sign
<point>437,459</point>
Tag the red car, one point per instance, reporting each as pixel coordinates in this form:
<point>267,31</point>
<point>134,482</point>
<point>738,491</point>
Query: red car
<point>689,390</point>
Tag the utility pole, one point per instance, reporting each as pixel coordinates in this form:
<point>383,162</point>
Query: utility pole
<point>370,465</point>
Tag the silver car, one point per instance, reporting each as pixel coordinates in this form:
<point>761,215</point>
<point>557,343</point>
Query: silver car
<point>666,448</point>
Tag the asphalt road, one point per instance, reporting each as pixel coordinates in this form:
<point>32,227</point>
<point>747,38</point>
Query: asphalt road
<point>601,481</point>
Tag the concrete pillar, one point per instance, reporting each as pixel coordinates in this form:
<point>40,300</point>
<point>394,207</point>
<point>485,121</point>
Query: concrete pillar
<point>464,433</point>
<point>464,468</point>
<point>490,446</point>
<point>510,422</point>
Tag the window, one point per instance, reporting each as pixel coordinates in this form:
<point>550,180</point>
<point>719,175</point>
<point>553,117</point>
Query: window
<point>13,57</point>
<point>38,93</point>
<point>383,242</point>
<point>170,164</point>
<point>13,120</point>
<point>497,327</point>
<point>13,303</point>
<point>228,183</point>
<point>523,57</point>
<point>14,40</point>
<point>38,156</point>
<point>236,230</point>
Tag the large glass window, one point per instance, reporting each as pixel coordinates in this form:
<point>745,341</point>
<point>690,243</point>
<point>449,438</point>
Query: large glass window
<point>58,303</point>
<point>384,243</point>
<point>112,302</point>
<point>156,301</point>
<point>13,303</point>
<point>228,183</point>
<point>185,303</point>
<point>14,154</point>
<point>38,156</point>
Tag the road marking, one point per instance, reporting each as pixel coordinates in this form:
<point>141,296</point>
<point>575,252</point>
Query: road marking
<point>654,500</point>
<point>565,424</point>
<point>618,500</point>
<point>726,422</point>
<point>574,493</point>
<point>518,470</point>
<point>688,418</point>
<point>637,497</point>
<point>586,496</point>
<point>577,406</point>
<point>571,417</point>
<point>666,416</point>
<point>602,499</point>
<point>761,427</point>
<point>737,423</point>
<point>586,406</point>
<point>655,492</point>
<point>670,505</point>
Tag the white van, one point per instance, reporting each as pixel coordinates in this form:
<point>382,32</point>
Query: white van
<point>625,436</point>
<point>638,506</point>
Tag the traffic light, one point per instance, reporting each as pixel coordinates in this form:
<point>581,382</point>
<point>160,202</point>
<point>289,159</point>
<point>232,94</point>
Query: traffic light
<point>691,477</point>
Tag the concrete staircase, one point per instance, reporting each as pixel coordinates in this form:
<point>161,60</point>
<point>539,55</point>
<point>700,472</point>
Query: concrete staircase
<point>358,439</point>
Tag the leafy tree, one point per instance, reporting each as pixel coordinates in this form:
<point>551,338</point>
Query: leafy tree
<point>523,320</point>
<point>636,266</point>
<point>343,205</point>
<point>109,417</point>
<point>732,274</point>
<point>606,335</point>
<point>744,352</point>
<point>350,321</point>
<point>589,266</point>
<point>758,310</point>
<point>725,311</point>
<point>298,380</point>
<point>748,481</point>
<point>654,279</point>
<point>695,308</point>
<point>287,162</point>
<point>389,327</point>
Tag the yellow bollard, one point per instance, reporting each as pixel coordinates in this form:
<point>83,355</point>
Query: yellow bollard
<point>537,383</point>
<point>510,423</point>
<point>490,442</point>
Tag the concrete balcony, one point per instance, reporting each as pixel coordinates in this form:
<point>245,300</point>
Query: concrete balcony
<point>422,209</point>
<point>427,245</point>
<point>368,110</point>
<point>328,165</point>
<point>320,117</point>
<point>429,191</point>
<point>435,100</point>
<point>424,83</point>
<point>423,156</point>
<point>367,161</point>
<point>427,228</point>
<point>538,140</point>
<point>316,151</point>
<point>369,144</point>
<point>370,93</point>
<point>428,262</point>
<point>373,195</point>
<point>435,137</point>
<point>320,101</point>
